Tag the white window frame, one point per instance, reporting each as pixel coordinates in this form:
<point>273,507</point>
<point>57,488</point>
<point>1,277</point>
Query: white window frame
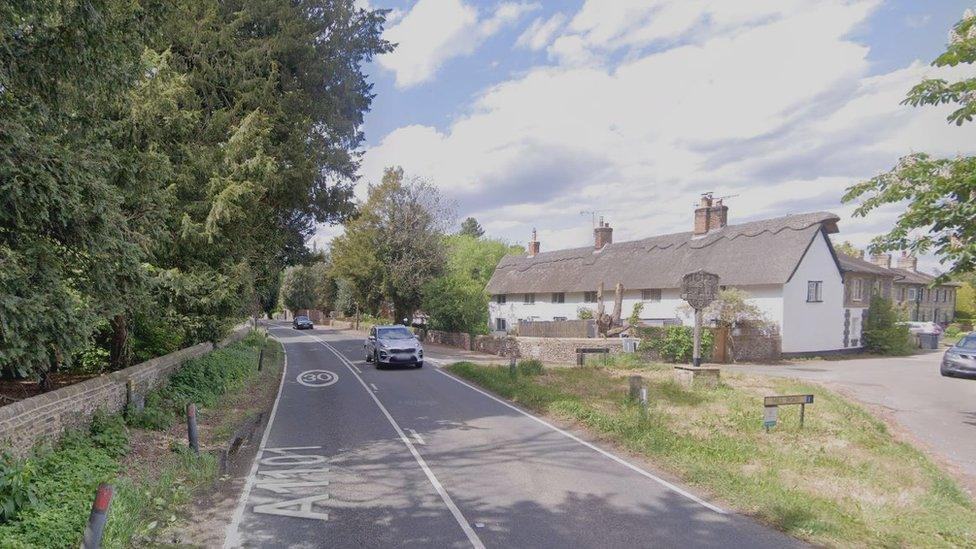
<point>500,299</point>
<point>815,291</point>
<point>587,295</point>
<point>528,299</point>
<point>501,325</point>
<point>911,294</point>
<point>559,297</point>
<point>651,294</point>
<point>857,293</point>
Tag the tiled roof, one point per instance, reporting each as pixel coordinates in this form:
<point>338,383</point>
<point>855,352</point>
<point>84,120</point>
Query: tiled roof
<point>853,264</point>
<point>760,252</point>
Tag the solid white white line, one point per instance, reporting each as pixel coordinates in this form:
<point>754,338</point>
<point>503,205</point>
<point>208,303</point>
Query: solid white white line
<point>373,385</point>
<point>232,536</point>
<point>445,497</point>
<point>619,460</point>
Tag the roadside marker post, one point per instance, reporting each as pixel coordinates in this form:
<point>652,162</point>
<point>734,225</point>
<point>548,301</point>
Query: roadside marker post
<point>261,359</point>
<point>636,383</point>
<point>771,406</point>
<point>643,400</point>
<point>191,427</point>
<point>511,367</point>
<point>99,516</point>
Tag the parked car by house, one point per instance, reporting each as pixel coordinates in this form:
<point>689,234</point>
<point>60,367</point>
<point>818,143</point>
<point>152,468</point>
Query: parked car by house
<point>960,359</point>
<point>392,345</point>
<point>302,323</point>
<point>922,327</point>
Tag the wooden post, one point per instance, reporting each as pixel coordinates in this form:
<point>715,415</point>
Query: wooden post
<point>191,427</point>
<point>696,356</point>
<point>636,383</point>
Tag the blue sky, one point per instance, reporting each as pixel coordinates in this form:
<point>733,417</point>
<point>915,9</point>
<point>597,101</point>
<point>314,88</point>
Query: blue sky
<point>524,113</point>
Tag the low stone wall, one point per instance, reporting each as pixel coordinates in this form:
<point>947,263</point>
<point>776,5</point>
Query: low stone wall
<point>44,418</point>
<point>563,349</point>
<point>496,345</point>
<point>755,346</point>
<point>449,339</point>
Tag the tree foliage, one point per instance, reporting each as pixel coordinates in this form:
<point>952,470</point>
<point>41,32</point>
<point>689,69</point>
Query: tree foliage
<point>167,158</point>
<point>881,332</point>
<point>846,247</point>
<point>393,248</point>
<point>456,301</point>
<point>939,193</point>
<point>471,227</point>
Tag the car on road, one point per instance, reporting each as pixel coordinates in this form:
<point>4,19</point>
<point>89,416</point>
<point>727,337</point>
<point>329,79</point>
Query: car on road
<point>302,323</point>
<point>922,327</point>
<point>393,345</point>
<point>960,359</point>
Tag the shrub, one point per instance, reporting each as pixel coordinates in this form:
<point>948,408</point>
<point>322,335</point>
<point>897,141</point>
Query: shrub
<point>882,332</point>
<point>16,491</point>
<point>154,336</point>
<point>530,367</point>
<point>108,432</point>
<point>678,344</point>
<point>584,313</point>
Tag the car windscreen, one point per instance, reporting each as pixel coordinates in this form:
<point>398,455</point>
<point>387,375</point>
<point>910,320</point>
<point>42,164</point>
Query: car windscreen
<point>301,318</point>
<point>968,343</point>
<point>394,333</point>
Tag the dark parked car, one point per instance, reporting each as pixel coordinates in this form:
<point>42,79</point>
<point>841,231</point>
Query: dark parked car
<point>960,359</point>
<point>302,323</point>
<point>391,345</point>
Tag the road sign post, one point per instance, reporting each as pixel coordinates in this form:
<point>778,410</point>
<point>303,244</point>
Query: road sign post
<point>771,406</point>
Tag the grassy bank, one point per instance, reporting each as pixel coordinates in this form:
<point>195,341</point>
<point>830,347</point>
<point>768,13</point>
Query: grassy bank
<point>842,480</point>
<point>143,455</point>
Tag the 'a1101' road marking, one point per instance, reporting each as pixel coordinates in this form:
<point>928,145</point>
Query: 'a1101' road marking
<point>304,476</point>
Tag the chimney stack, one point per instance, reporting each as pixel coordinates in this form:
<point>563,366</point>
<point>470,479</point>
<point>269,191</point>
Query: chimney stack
<point>534,245</point>
<point>881,260</point>
<point>909,262</point>
<point>602,234</point>
<point>710,215</point>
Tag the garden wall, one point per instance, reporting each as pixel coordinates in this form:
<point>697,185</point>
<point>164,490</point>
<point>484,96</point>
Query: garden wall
<point>44,418</point>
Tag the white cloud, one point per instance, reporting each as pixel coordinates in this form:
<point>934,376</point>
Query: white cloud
<point>777,108</point>
<point>540,33</point>
<point>435,31</point>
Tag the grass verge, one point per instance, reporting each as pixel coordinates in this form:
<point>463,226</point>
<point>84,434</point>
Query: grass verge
<point>842,480</point>
<point>143,455</point>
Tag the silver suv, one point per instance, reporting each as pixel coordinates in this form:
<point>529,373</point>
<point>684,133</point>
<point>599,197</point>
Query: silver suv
<point>392,345</point>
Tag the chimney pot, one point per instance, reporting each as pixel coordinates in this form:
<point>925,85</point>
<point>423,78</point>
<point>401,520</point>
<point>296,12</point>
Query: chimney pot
<point>881,260</point>
<point>602,235</point>
<point>908,262</point>
<point>710,215</point>
<point>534,244</point>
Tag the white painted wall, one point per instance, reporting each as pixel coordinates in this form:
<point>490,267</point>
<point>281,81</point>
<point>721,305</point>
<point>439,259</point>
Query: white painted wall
<point>811,327</point>
<point>767,297</point>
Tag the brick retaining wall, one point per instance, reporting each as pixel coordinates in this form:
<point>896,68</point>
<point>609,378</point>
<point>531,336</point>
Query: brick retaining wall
<point>44,418</point>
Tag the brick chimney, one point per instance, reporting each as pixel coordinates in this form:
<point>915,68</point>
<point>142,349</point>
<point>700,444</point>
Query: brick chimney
<point>533,248</point>
<point>906,261</point>
<point>882,260</point>
<point>602,234</point>
<point>710,215</point>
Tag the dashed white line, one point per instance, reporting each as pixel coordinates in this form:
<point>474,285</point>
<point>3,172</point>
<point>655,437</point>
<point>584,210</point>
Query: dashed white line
<point>445,497</point>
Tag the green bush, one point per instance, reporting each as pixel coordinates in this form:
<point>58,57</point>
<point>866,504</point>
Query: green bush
<point>153,336</point>
<point>16,491</point>
<point>677,344</point>
<point>530,367</point>
<point>882,332</point>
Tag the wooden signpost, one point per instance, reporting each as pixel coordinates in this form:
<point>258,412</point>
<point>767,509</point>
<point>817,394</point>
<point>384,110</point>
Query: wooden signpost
<point>771,406</point>
<point>699,289</point>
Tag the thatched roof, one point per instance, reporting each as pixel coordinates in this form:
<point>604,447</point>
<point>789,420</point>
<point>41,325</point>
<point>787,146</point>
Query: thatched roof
<point>760,252</point>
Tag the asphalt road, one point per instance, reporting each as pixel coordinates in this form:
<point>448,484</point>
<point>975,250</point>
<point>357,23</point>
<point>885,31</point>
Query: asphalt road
<point>938,411</point>
<point>356,457</point>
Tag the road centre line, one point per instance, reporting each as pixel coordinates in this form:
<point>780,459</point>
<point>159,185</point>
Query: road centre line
<point>571,436</point>
<point>445,497</point>
<point>232,535</point>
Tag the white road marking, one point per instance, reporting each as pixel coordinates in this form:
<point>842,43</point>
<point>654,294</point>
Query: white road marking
<point>416,436</point>
<point>358,371</point>
<point>619,460</point>
<point>317,378</point>
<point>373,385</point>
<point>233,536</point>
<point>445,497</point>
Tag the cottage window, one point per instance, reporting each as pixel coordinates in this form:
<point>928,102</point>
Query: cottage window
<point>814,291</point>
<point>651,295</point>
<point>901,294</point>
<point>500,299</point>
<point>558,297</point>
<point>858,292</point>
<point>911,294</point>
<point>529,299</point>
<point>589,297</point>
<point>500,324</point>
